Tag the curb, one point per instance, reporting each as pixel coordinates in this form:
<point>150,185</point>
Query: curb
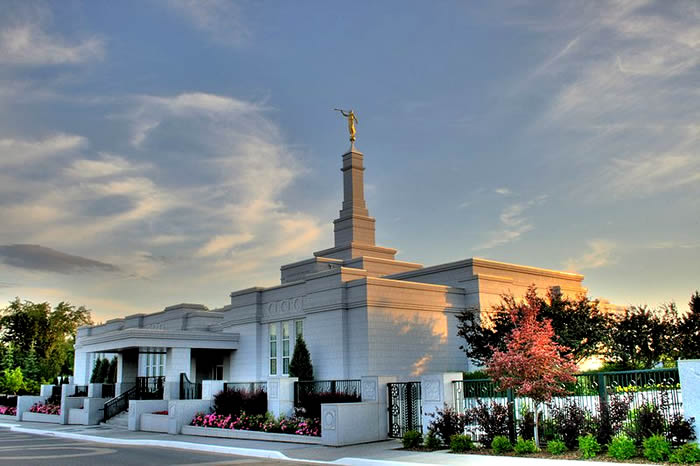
<point>203,447</point>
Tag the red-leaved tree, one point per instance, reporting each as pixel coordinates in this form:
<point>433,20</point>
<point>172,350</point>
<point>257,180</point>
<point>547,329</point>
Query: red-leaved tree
<point>532,364</point>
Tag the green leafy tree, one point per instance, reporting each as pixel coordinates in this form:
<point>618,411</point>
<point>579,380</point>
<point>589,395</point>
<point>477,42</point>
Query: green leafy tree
<point>8,358</point>
<point>30,366</point>
<point>642,337</point>
<point>50,332</point>
<point>579,326</point>
<point>688,331</point>
<point>300,365</point>
<point>12,381</point>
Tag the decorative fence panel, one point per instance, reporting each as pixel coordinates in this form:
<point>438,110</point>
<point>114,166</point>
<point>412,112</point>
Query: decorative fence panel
<point>404,406</point>
<point>309,395</point>
<point>150,388</point>
<point>81,390</point>
<point>658,387</point>
<point>246,386</point>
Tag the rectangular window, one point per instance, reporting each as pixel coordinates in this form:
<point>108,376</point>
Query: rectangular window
<point>273,349</point>
<point>285,348</point>
<point>298,328</point>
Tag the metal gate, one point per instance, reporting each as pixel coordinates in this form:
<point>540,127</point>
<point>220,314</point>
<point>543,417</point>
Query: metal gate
<point>404,408</point>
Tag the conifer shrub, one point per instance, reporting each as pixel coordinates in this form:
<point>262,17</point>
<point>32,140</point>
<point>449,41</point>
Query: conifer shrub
<point>524,447</point>
<point>501,444</point>
<point>656,448</point>
<point>300,366</point>
<point>688,453</point>
<point>622,448</point>
<point>412,439</point>
<point>588,446</point>
<point>431,441</point>
<point>459,443</point>
<point>556,447</point>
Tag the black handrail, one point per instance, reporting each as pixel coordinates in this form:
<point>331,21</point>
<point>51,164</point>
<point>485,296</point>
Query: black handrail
<point>119,404</point>
<point>189,390</point>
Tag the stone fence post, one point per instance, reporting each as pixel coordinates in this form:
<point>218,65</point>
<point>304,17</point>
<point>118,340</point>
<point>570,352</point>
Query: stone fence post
<point>436,390</point>
<point>280,395</point>
<point>689,372</point>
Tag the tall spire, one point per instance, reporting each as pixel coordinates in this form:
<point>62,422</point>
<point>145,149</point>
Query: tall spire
<point>354,225</point>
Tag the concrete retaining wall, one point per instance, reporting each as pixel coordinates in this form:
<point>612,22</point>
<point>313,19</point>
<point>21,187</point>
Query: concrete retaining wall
<point>154,423</point>
<point>181,412</point>
<point>250,435</point>
<point>38,417</point>
<point>139,407</point>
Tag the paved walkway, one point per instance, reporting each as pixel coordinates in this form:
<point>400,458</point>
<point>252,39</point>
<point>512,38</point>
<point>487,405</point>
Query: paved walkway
<point>378,453</point>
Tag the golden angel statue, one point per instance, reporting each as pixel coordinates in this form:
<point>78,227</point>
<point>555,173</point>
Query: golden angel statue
<point>352,119</point>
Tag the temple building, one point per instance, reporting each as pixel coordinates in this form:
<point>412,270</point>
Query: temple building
<point>361,312</point>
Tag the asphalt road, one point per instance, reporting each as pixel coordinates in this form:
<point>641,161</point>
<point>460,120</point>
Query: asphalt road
<point>19,448</point>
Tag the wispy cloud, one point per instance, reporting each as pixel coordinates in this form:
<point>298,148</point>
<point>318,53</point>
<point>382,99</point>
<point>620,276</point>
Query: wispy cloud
<point>222,20</point>
<point>502,191</point>
<point>41,258</point>
<point>14,152</point>
<point>29,44</point>
<point>599,254</point>
<point>514,223</point>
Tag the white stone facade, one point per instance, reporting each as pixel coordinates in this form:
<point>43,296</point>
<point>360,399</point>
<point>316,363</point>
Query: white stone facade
<point>361,312</point>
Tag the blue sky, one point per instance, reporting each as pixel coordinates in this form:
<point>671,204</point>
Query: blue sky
<point>157,152</point>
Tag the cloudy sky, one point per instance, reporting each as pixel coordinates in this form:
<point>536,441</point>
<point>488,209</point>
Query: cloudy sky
<point>157,152</point>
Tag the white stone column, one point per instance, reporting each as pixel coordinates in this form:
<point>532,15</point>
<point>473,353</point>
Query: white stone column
<point>81,368</point>
<point>94,390</point>
<point>127,371</point>
<point>280,395</point>
<point>46,391</point>
<point>689,372</point>
<point>436,390</point>
<point>374,390</point>
<point>210,388</point>
<point>178,360</point>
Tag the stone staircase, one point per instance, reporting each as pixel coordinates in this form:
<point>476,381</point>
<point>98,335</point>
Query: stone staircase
<point>120,421</point>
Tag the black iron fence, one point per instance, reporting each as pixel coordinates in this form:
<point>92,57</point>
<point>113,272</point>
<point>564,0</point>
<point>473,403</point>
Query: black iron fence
<point>593,392</point>
<point>309,395</point>
<point>8,400</point>
<point>80,390</point>
<point>108,390</point>
<point>55,397</point>
<point>404,405</point>
<point>189,390</point>
<point>150,388</point>
<point>246,386</point>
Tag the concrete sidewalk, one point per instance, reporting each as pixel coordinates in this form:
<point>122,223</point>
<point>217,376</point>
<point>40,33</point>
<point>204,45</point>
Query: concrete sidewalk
<point>378,453</point>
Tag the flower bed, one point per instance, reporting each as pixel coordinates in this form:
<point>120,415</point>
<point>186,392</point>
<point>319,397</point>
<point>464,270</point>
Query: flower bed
<point>8,410</point>
<point>161,413</point>
<point>260,423</point>
<point>47,408</point>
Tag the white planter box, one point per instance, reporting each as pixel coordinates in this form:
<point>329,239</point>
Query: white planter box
<point>154,423</point>
<point>250,435</point>
<point>39,417</point>
<point>7,417</point>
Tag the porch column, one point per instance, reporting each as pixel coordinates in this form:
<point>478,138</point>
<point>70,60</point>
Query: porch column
<point>436,392</point>
<point>127,370</point>
<point>81,368</point>
<point>177,360</point>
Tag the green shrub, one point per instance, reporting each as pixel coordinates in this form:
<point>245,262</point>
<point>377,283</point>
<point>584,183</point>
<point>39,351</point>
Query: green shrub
<point>588,446</point>
<point>412,439</point>
<point>556,447</point>
<point>459,443</point>
<point>622,447</point>
<point>656,448</point>
<point>431,441</point>
<point>501,444</point>
<point>688,453</point>
<point>523,447</point>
